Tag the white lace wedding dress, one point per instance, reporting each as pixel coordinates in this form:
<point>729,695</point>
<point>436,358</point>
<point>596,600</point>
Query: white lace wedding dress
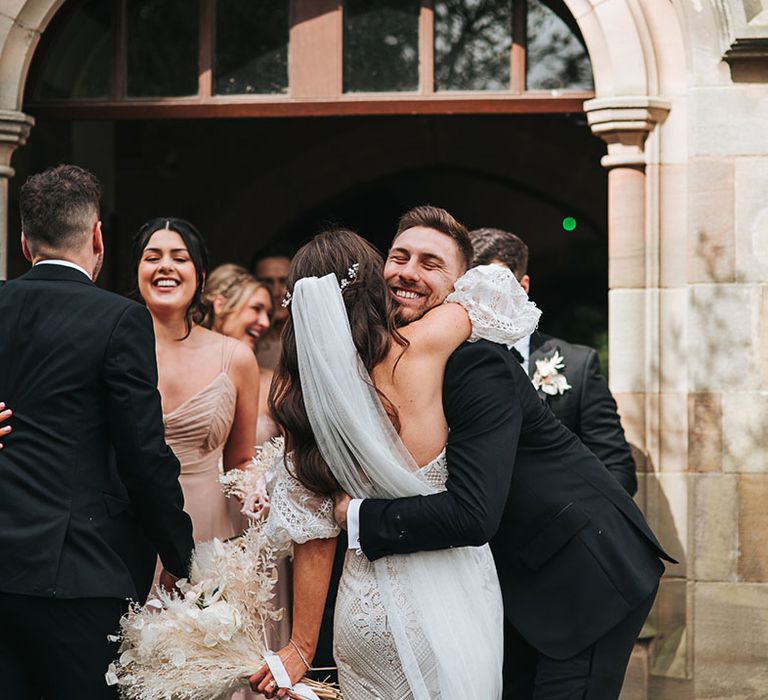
<point>388,612</point>
<point>368,660</point>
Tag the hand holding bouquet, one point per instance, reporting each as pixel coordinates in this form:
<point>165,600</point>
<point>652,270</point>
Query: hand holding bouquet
<point>203,643</point>
<point>251,483</point>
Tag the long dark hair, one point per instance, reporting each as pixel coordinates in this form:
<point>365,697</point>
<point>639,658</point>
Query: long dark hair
<point>371,315</point>
<point>198,252</point>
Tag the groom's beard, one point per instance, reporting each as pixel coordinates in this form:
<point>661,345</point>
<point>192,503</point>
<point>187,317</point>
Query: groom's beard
<point>400,321</point>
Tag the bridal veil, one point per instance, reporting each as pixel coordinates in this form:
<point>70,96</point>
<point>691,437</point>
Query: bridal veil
<point>444,607</point>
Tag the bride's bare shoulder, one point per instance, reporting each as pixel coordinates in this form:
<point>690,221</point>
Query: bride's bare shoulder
<point>442,328</point>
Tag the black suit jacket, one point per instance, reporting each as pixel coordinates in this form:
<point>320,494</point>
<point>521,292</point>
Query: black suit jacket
<point>89,490</point>
<point>587,408</point>
<point>573,551</point>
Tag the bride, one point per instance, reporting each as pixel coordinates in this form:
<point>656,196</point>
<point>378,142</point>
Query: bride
<point>359,403</point>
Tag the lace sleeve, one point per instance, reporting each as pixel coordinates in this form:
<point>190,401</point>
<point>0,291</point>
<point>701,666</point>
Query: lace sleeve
<point>498,306</point>
<point>296,514</point>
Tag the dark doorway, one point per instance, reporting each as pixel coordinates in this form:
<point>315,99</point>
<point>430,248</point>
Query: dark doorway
<point>251,184</point>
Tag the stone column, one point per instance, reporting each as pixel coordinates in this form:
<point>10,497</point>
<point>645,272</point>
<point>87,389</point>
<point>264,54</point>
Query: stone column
<point>14,130</point>
<point>624,124</point>
<point>638,311</point>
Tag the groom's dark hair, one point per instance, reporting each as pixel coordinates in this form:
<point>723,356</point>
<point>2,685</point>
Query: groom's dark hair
<point>440,220</point>
<point>58,206</point>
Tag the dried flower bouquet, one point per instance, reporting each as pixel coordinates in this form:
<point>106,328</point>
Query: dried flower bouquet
<point>204,643</point>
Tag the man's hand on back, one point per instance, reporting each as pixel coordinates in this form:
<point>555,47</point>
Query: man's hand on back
<point>5,414</point>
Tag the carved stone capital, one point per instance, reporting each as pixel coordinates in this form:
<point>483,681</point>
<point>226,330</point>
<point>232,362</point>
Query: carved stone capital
<point>748,59</point>
<point>624,124</point>
<point>14,130</point>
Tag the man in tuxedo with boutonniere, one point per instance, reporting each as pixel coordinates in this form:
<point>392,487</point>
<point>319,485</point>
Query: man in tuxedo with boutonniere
<point>578,565</point>
<point>567,376</point>
<point>89,490</point>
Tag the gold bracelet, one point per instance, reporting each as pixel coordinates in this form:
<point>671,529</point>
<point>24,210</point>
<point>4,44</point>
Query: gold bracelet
<point>298,651</point>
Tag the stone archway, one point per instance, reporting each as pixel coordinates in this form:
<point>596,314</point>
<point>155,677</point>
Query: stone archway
<point>637,52</point>
<point>20,32</point>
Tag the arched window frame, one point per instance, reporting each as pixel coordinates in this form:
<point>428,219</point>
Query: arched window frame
<point>315,76</point>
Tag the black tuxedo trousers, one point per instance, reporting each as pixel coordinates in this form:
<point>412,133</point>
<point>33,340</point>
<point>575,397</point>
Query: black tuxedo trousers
<point>89,491</point>
<point>574,554</point>
<point>57,649</point>
<point>595,673</point>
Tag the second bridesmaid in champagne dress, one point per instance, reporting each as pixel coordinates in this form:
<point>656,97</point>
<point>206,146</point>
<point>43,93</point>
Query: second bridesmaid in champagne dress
<point>240,306</point>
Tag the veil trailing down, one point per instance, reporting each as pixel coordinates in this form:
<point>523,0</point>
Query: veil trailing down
<point>443,608</point>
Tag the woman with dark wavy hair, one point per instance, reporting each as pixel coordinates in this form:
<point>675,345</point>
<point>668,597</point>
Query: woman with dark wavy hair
<point>359,403</point>
<point>208,382</point>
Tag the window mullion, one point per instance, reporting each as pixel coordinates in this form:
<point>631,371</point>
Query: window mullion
<point>315,49</point>
<point>427,47</point>
<point>519,41</point>
<point>119,49</point>
<point>206,47</point>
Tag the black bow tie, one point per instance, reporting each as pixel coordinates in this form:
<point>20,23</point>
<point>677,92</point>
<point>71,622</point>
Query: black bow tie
<point>516,354</point>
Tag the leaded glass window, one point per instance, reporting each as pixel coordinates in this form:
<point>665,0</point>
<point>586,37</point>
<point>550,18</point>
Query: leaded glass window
<point>79,57</point>
<point>381,45</point>
<point>556,58</point>
<point>251,54</point>
<point>223,52</point>
<point>473,40</point>
<point>162,50</point>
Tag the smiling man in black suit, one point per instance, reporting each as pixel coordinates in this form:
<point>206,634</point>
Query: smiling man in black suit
<point>577,563</point>
<point>89,491</point>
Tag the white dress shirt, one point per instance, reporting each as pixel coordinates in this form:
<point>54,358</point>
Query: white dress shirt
<point>63,263</point>
<point>523,346</point>
<point>353,524</point>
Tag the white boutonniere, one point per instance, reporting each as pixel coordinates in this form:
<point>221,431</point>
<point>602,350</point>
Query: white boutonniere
<point>548,378</point>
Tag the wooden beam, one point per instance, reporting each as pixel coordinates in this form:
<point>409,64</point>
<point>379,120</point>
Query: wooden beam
<point>349,105</point>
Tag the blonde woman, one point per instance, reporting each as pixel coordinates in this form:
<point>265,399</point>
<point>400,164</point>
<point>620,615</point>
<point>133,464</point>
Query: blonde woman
<point>241,307</point>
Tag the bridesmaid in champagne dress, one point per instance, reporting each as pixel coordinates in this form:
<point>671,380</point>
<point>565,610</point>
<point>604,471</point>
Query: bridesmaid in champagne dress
<point>209,383</point>
<point>240,306</point>
<point>197,431</point>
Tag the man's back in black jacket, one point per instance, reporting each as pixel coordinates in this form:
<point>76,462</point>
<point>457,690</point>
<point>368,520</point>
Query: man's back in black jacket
<point>587,409</point>
<point>89,490</point>
<point>574,554</point>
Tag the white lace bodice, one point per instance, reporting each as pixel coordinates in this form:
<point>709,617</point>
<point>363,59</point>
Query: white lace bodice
<point>498,306</point>
<point>436,472</point>
<point>296,514</point>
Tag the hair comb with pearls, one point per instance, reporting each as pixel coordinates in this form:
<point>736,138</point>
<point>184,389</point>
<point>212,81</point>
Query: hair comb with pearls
<point>351,277</point>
